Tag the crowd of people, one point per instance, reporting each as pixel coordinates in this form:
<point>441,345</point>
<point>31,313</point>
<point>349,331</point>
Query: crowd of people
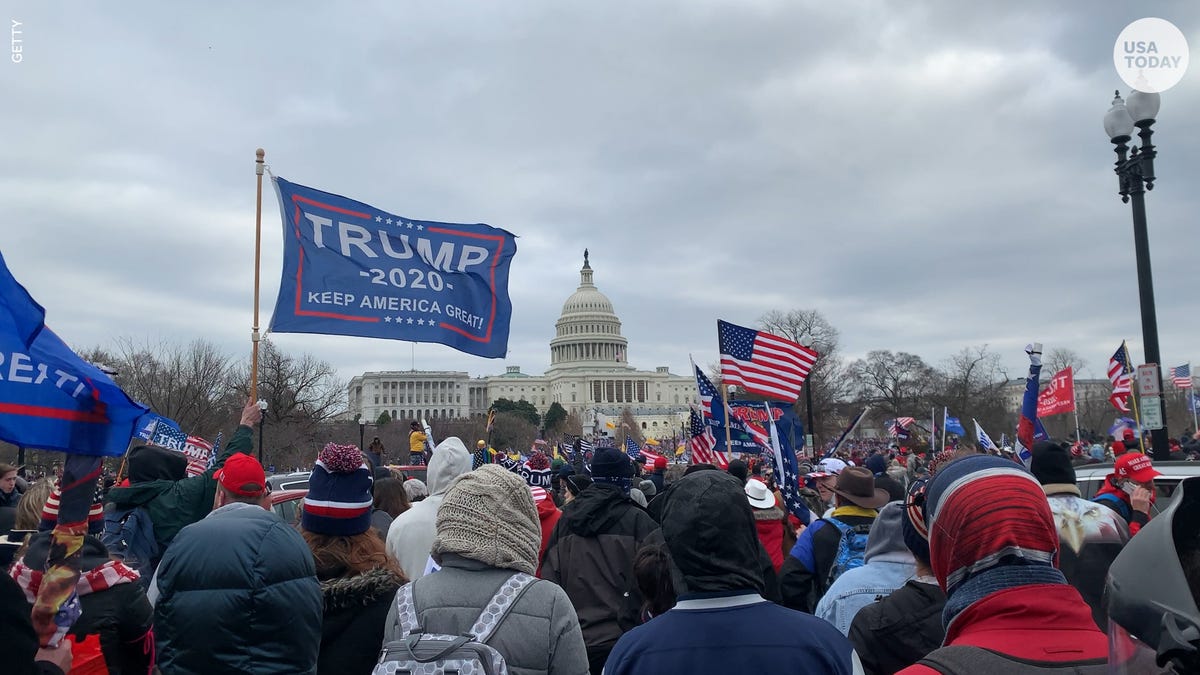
<point>895,563</point>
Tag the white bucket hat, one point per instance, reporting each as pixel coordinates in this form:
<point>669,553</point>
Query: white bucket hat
<point>758,494</point>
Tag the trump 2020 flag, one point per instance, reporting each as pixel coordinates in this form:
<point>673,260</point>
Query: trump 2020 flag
<point>352,269</point>
<point>49,397</point>
<point>952,424</point>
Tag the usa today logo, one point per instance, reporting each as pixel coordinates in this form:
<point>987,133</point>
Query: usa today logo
<point>1151,55</point>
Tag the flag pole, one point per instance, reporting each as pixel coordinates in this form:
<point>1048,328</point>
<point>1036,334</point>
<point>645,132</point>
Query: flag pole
<point>932,432</point>
<point>1075,401</point>
<point>728,421</point>
<point>1192,397</point>
<point>1137,418</point>
<point>259,154</point>
<point>945,412</point>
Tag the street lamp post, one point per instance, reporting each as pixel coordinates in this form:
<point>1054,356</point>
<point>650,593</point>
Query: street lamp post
<point>362,432</point>
<point>1135,172</point>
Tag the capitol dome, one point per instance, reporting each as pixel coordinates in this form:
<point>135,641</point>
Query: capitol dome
<point>588,332</point>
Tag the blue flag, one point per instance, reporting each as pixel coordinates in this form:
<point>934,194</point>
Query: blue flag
<point>1193,403</point>
<point>953,426</point>
<point>49,397</point>
<point>351,269</point>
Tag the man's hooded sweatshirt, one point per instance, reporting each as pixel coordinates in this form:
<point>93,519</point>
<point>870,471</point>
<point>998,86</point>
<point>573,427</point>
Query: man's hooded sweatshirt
<point>720,622</point>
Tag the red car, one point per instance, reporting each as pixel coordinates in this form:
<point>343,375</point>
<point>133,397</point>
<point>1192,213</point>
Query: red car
<point>286,504</point>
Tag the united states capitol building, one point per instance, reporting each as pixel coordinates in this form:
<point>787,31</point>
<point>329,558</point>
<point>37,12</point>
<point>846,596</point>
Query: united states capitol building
<point>589,375</point>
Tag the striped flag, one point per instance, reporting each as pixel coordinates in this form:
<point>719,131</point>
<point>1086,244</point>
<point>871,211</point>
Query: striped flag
<point>763,363</point>
<point>702,442</point>
<point>491,419</point>
<point>1118,374</point>
<point>899,427</point>
<point>1182,376</point>
<point>985,441</point>
<point>708,390</point>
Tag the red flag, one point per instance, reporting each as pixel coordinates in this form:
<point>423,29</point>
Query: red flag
<point>1059,397</point>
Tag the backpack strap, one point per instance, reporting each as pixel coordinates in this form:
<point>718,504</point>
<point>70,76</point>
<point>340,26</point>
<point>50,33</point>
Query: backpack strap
<point>406,611</point>
<point>500,605</point>
<point>1112,500</point>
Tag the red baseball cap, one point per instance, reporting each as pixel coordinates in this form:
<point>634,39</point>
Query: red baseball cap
<point>1129,434</point>
<point>242,475</point>
<point>1135,466</point>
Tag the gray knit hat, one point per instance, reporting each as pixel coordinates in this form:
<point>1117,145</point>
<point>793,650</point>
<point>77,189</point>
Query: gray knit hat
<point>488,515</point>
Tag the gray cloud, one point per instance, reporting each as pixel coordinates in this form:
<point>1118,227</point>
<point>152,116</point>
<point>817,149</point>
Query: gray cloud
<point>929,176</point>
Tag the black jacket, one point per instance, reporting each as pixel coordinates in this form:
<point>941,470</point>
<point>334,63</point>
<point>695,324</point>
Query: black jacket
<point>10,498</point>
<point>899,630</point>
<point>804,577</point>
<point>120,615</point>
<point>18,642</point>
<point>355,611</point>
<point>238,593</point>
<point>590,555</point>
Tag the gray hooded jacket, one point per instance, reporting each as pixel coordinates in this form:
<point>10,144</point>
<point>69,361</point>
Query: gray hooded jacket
<point>411,534</point>
<point>887,564</point>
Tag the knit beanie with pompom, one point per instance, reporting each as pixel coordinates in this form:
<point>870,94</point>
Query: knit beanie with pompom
<point>339,500</point>
<point>488,515</point>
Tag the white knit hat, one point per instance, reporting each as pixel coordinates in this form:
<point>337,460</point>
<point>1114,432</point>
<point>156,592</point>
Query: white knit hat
<point>488,515</point>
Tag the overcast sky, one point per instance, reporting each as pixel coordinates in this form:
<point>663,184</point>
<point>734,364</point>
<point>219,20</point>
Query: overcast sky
<point>929,175</point>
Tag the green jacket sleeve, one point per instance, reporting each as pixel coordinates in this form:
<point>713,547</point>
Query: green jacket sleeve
<point>193,497</point>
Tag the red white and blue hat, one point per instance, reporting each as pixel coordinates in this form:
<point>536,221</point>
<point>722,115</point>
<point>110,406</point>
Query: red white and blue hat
<point>339,493</point>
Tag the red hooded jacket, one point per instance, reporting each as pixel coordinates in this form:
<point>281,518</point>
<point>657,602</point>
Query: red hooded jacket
<point>1042,622</point>
<point>548,513</point>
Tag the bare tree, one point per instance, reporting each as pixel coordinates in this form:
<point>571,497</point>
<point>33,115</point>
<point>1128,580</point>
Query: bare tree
<point>187,383</point>
<point>898,383</point>
<point>828,380</point>
<point>1061,357</point>
<point>971,384</point>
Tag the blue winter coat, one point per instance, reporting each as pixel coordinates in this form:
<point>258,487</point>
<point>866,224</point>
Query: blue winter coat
<point>238,592</point>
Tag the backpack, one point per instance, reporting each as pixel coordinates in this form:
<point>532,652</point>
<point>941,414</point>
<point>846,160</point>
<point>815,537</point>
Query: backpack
<point>129,536</point>
<point>434,654</point>
<point>966,660</point>
<point>851,548</point>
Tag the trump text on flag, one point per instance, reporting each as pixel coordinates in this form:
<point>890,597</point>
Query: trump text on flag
<point>352,269</point>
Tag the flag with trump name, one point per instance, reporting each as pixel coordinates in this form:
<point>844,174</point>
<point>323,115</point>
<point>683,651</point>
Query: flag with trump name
<point>763,363</point>
<point>50,398</point>
<point>350,268</point>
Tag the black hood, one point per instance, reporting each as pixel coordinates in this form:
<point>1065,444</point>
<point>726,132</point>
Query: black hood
<point>596,510</point>
<point>92,555</point>
<point>710,532</point>
<point>149,462</point>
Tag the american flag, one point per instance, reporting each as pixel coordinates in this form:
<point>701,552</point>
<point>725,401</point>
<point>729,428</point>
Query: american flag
<point>899,427</point>
<point>787,476</point>
<point>763,363</point>
<point>708,391</point>
<point>632,448</point>
<point>1182,376</point>
<point>701,440</point>
<point>1118,374</point>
